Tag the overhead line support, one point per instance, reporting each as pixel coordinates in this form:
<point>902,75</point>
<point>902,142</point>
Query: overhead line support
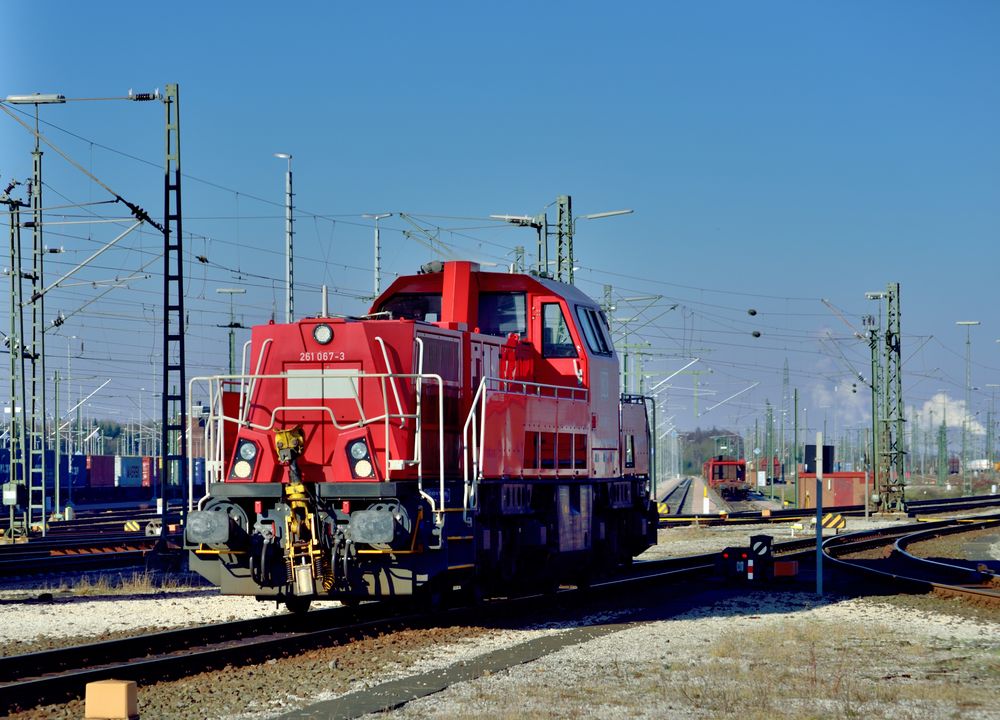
<point>173,406</point>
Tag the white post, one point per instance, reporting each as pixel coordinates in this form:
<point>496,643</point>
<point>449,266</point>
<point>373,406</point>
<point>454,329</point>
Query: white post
<point>819,514</point>
<point>289,234</point>
<point>289,255</point>
<point>377,278</point>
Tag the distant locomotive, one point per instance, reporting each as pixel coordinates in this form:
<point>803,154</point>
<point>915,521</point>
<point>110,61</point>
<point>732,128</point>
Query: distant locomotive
<point>467,434</point>
<point>727,476</point>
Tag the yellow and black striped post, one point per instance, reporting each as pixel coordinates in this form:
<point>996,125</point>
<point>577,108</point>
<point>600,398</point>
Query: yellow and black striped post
<point>834,520</point>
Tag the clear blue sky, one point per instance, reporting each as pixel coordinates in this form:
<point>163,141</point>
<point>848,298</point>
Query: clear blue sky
<point>775,153</point>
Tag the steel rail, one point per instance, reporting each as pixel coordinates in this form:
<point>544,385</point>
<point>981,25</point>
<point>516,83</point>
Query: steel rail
<point>977,574</point>
<point>791,515</point>
<point>53,676</point>
<point>835,547</point>
<point>58,675</point>
<point>684,488</point>
<point>27,559</point>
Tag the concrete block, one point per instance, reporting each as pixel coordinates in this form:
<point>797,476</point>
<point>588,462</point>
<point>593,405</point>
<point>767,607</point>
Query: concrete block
<point>111,700</point>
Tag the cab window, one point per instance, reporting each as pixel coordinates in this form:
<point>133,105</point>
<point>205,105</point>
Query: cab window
<point>556,340</point>
<point>502,313</point>
<point>593,332</point>
<point>414,306</point>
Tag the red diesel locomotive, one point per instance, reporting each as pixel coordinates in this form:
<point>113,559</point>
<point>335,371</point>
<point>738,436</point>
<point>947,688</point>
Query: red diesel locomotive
<point>467,434</point>
<point>727,476</point>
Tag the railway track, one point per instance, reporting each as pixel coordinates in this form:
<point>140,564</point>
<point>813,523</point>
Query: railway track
<point>54,676</point>
<point>103,540</point>
<point>677,498</point>
<point>95,552</point>
<point>913,509</point>
<point>893,564</point>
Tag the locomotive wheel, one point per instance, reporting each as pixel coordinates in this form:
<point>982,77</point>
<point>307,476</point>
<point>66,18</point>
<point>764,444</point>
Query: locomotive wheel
<point>298,605</point>
<point>431,597</point>
<point>550,581</point>
<point>470,595</point>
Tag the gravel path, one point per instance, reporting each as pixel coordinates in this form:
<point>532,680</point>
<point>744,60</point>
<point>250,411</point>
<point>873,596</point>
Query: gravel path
<point>716,653</point>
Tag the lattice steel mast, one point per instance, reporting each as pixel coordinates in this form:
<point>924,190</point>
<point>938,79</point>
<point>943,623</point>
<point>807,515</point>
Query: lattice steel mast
<point>888,452</point>
<point>173,413</point>
<point>15,345</point>
<point>36,405</point>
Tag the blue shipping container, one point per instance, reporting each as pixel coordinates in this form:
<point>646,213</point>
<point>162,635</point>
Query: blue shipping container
<point>199,471</point>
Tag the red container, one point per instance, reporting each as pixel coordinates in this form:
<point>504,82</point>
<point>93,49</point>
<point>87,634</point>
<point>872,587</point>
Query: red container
<point>150,470</point>
<point>101,470</point>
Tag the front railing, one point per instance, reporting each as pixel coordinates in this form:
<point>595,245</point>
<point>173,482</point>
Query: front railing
<point>387,416</point>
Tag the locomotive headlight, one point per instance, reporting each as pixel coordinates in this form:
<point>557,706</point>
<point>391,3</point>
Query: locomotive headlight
<point>248,451</point>
<point>358,450</point>
<point>322,333</point>
<point>246,458</point>
<point>360,459</point>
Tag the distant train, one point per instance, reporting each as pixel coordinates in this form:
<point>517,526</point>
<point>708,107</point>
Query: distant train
<point>467,434</point>
<point>727,476</point>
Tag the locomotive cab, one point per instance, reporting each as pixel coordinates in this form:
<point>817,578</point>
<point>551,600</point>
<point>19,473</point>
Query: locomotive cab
<point>467,432</point>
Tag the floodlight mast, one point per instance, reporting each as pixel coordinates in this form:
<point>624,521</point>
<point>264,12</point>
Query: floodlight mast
<point>35,444</point>
<point>34,453</point>
<point>289,236</point>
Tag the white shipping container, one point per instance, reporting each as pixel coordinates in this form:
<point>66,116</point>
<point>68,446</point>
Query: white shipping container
<point>128,471</point>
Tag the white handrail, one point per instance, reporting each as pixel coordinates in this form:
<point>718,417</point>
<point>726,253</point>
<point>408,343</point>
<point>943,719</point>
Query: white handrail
<point>476,461</point>
<point>245,399</point>
<point>418,451</point>
<point>475,426</point>
<point>565,392</point>
<point>388,369</point>
<point>219,418</point>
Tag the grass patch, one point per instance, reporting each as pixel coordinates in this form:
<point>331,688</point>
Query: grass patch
<point>801,668</point>
<point>139,582</point>
<point>811,669</point>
